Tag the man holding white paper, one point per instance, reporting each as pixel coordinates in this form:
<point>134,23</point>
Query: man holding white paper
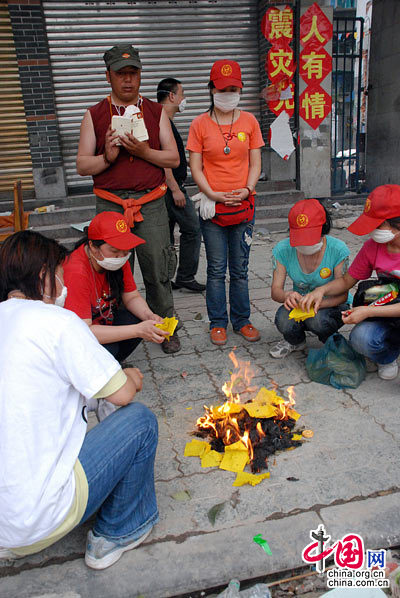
<point>128,173</point>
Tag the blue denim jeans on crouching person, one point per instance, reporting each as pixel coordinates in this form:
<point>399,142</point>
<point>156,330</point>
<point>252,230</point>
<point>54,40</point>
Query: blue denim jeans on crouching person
<point>378,339</point>
<point>117,456</point>
<point>227,245</point>
<point>327,321</point>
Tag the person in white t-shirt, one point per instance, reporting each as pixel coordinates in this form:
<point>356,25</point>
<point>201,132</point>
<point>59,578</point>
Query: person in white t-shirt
<point>53,475</point>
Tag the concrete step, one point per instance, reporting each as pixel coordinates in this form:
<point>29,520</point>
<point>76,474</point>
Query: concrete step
<point>278,225</point>
<point>275,186</point>
<point>289,197</point>
<point>63,216</point>
<point>60,202</point>
<point>273,211</point>
<point>58,231</point>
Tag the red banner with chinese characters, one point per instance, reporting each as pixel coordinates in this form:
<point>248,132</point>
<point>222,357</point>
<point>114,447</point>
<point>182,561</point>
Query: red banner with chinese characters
<point>280,64</point>
<point>277,26</point>
<point>315,63</point>
<point>314,105</point>
<point>315,28</point>
<point>278,104</point>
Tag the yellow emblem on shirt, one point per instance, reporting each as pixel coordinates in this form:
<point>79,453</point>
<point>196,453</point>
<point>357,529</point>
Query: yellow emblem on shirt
<point>325,272</point>
<point>242,136</point>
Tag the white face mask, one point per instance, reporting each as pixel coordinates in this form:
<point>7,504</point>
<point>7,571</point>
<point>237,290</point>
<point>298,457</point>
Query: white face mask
<point>310,249</point>
<point>382,236</point>
<point>112,263</point>
<point>60,300</point>
<point>182,105</point>
<point>226,101</point>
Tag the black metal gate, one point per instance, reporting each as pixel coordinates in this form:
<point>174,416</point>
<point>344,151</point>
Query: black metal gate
<point>346,97</point>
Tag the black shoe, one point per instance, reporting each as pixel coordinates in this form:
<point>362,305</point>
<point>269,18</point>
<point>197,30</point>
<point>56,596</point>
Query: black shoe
<point>190,285</point>
<point>173,345</point>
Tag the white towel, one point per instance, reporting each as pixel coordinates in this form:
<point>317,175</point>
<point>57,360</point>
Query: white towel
<point>205,205</point>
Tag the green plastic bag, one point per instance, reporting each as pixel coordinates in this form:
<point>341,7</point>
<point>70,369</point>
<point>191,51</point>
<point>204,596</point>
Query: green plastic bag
<point>336,364</point>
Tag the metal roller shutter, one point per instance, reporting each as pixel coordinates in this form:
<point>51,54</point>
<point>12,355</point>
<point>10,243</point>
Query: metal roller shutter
<point>15,157</point>
<point>175,39</point>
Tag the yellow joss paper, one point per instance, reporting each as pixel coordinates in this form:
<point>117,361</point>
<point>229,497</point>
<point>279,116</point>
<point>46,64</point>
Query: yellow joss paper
<point>236,446</point>
<point>293,414</point>
<point>169,325</point>
<point>266,396</point>
<point>299,315</point>
<point>243,478</point>
<point>259,410</point>
<point>196,448</point>
<point>211,459</point>
<point>234,460</point>
<point>297,437</point>
<point>226,409</point>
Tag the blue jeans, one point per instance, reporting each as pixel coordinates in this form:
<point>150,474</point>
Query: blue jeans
<point>327,321</point>
<point>227,245</point>
<point>377,339</point>
<point>189,228</point>
<point>118,458</point>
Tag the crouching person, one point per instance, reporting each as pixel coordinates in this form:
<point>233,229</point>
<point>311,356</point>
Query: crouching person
<point>310,257</point>
<point>53,475</point>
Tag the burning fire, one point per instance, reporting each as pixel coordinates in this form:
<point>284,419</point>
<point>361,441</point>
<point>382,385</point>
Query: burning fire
<point>263,424</point>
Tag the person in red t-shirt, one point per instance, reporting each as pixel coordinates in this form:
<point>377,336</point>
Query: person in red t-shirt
<point>102,291</point>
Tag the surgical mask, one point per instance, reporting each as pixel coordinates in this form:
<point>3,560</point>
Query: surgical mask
<point>112,263</point>
<point>382,236</point>
<point>310,249</point>
<point>60,300</point>
<point>182,105</point>
<point>226,101</point>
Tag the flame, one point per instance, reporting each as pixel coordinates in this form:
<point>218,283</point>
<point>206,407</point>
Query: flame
<point>260,430</point>
<point>240,380</point>
<point>247,442</point>
<point>291,394</point>
<point>227,422</point>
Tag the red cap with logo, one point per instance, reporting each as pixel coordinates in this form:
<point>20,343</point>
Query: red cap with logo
<point>225,73</point>
<point>381,204</point>
<point>113,228</point>
<point>306,219</point>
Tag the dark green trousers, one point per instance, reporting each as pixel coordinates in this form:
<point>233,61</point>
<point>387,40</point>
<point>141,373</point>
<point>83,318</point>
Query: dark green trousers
<point>157,257</point>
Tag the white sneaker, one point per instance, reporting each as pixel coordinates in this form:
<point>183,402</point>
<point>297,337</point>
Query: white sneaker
<point>283,348</point>
<point>102,553</point>
<point>388,371</point>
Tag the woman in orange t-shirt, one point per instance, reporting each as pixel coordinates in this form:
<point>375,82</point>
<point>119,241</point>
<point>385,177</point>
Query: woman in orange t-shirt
<point>225,159</point>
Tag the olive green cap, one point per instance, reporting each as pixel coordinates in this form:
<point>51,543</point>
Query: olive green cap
<point>122,55</point>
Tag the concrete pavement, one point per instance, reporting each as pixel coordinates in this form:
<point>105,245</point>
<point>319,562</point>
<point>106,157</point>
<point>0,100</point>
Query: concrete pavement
<point>348,474</point>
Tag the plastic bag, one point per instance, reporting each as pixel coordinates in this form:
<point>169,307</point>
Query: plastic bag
<point>336,364</point>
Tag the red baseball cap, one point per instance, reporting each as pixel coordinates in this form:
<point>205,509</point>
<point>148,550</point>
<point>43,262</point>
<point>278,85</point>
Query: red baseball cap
<point>113,228</point>
<point>225,73</point>
<point>381,204</point>
<point>306,219</point>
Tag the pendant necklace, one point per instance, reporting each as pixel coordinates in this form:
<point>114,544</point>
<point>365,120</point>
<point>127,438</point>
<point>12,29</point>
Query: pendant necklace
<point>118,108</point>
<point>227,149</point>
